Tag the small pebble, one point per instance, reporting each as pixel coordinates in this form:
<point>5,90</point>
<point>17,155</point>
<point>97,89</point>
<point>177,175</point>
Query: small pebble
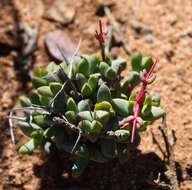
<point>149,38</point>
<point>180,72</point>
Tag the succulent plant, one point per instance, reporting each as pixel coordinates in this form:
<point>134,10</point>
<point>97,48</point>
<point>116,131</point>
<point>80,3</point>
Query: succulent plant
<point>84,107</point>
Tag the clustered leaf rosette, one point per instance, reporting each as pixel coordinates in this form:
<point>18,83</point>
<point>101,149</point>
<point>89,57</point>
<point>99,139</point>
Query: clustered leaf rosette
<point>84,108</point>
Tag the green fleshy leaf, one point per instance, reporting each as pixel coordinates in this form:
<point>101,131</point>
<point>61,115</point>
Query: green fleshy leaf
<point>35,98</point>
<point>93,61</point>
<point>40,72</point>
<point>148,100</point>
<point>102,116</point>
<point>55,87</point>
<point>96,127</point>
<point>93,82</point>
<point>146,109</point>
<point>134,78</point>
<point>103,106</point>
<point>38,82</point>
<point>156,113</point>
<point>84,105</point>
<point>45,91</point>
<point>45,100</point>
<point>65,67</point>
<point>59,104</point>
<point>132,81</point>
<point>84,67</point>
<point>110,74</point>
<point>133,96</point>
<point>85,125</point>
<point>28,147</point>
<point>156,100</point>
<point>131,106</point>
<point>37,135</point>
<point>39,120</point>
<point>52,67</point>
<point>25,101</point>
<point>86,115</point>
<point>27,128</point>
<point>80,80</point>
<point>118,65</point>
<point>71,116</point>
<point>136,62</point>
<point>86,90</point>
<point>71,105</point>
<point>147,62</point>
<point>53,77</point>
<point>103,68</point>
<point>103,93</point>
<point>121,106</point>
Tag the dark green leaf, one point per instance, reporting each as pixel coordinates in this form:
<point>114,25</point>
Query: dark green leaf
<point>84,67</point>
<point>24,101</point>
<point>29,147</point>
<point>71,116</point>
<point>136,61</point>
<point>86,90</point>
<point>71,105</point>
<point>147,62</point>
<point>121,106</point>
<point>55,87</point>
<point>40,72</point>
<point>103,93</point>
<point>80,80</point>
<point>37,82</point>
<point>45,91</point>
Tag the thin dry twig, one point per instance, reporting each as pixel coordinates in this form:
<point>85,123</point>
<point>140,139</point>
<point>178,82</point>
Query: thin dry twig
<point>140,27</point>
<point>155,141</point>
<point>116,31</point>
<point>171,167</point>
<point>30,37</point>
<point>77,129</point>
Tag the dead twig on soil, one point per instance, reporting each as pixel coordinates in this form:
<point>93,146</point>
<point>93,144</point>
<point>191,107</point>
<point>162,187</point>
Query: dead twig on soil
<point>29,38</point>
<point>155,141</point>
<point>140,27</point>
<point>77,129</point>
<point>170,162</point>
<point>116,31</point>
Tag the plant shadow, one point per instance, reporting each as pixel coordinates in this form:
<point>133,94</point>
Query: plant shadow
<point>138,173</point>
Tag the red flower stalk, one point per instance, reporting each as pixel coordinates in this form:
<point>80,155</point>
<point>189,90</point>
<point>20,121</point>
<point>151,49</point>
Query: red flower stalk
<point>135,121</point>
<point>101,36</point>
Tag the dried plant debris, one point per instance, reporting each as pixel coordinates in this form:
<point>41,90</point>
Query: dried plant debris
<point>56,41</point>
